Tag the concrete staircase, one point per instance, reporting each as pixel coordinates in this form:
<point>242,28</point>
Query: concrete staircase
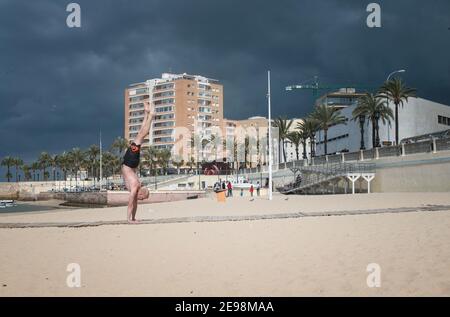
<point>314,177</point>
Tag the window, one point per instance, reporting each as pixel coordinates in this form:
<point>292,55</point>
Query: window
<point>164,86</point>
<point>136,106</point>
<point>204,94</point>
<point>163,139</point>
<point>164,101</point>
<point>163,132</point>
<point>202,102</point>
<point>135,128</point>
<point>164,146</point>
<point>204,117</point>
<point>334,139</point>
<point>164,94</point>
<point>164,109</point>
<point>141,91</point>
<point>165,116</point>
<point>204,109</point>
<point>443,120</point>
<point>204,87</point>
<point>138,98</point>
<point>164,124</point>
<point>136,113</point>
<point>132,121</point>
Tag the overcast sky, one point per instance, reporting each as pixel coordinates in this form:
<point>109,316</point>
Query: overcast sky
<point>60,85</point>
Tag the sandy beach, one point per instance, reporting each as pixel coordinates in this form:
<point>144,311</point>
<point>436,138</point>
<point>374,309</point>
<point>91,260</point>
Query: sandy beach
<point>306,255</point>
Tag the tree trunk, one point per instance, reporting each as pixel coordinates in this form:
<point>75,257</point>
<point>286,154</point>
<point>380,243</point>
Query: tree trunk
<point>373,133</point>
<point>396,123</point>
<point>325,140</point>
<point>284,151</point>
<point>362,145</point>
<point>304,149</point>
<point>377,135</point>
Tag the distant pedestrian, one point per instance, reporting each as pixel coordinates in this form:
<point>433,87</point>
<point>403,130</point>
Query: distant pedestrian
<point>257,188</point>
<point>251,190</point>
<point>224,186</point>
<point>230,189</point>
<point>242,192</point>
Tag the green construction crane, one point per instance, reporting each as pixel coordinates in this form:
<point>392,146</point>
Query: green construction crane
<point>316,87</point>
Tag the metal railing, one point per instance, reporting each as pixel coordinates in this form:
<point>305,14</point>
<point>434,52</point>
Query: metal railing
<point>317,174</point>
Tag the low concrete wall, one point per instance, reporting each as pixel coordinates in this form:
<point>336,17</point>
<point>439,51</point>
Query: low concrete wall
<point>91,198</point>
<point>120,198</point>
<point>424,174</point>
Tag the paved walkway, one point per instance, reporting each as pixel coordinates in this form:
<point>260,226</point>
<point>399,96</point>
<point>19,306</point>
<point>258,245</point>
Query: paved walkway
<point>428,208</point>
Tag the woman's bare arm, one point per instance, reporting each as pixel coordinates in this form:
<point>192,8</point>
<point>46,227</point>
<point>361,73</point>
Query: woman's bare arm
<point>145,128</point>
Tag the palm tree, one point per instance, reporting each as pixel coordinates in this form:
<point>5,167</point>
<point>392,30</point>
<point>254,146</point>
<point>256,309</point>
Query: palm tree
<point>191,162</point>
<point>35,167</point>
<point>77,158</point>
<point>296,139</point>
<point>177,161</point>
<point>204,143</point>
<point>119,145</point>
<point>111,163</point>
<point>8,161</point>
<point>303,137</point>
<point>327,116</point>
<point>374,108</point>
<point>149,158</point>
<point>44,161</point>
<point>396,91</point>
<point>215,142</point>
<point>283,126</point>
<point>64,164</point>
<point>18,162</point>
<point>92,153</point>
<point>163,156</point>
<point>309,126</point>
<point>26,172</point>
<point>53,163</point>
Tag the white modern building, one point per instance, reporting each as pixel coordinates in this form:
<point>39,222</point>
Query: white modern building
<point>418,116</point>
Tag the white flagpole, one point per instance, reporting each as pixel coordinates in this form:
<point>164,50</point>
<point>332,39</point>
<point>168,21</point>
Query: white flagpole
<point>101,166</point>
<point>270,136</point>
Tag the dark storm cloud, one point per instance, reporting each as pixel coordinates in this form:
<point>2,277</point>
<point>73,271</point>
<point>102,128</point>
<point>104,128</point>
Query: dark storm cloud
<point>59,86</point>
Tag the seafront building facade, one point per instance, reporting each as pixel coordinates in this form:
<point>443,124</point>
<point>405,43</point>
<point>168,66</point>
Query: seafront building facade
<point>418,116</point>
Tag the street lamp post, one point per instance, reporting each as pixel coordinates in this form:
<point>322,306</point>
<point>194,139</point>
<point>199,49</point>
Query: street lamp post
<point>387,98</point>
<point>270,135</point>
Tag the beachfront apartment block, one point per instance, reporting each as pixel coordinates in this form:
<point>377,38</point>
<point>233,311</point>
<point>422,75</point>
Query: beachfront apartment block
<point>181,104</point>
<point>418,116</point>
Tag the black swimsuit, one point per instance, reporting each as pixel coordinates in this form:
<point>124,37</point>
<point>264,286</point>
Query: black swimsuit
<point>132,156</point>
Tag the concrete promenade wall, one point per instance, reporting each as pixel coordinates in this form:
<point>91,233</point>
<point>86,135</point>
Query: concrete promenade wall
<point>428,172</point>
<point>120,198</point>
<point>32,190</point>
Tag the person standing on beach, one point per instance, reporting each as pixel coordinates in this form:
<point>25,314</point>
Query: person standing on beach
<point>257,188</point>
<point>129,165</point>
<point>230,189</point>
<point>251,190</point>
